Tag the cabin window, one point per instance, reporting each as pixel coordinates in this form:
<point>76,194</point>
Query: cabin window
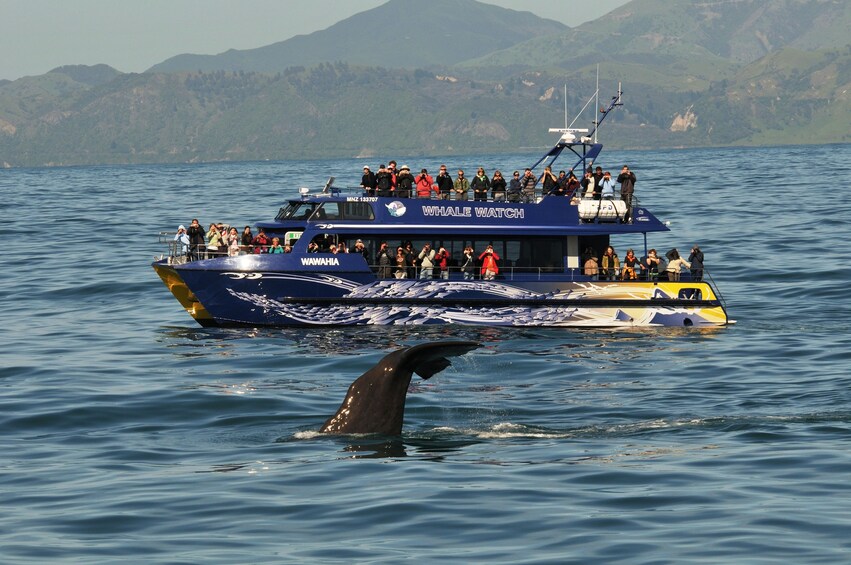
<point>344,211</point>
<point>690,294</point>
<point>328,211</point>
<point>358,211</point>
<point>296,211</point>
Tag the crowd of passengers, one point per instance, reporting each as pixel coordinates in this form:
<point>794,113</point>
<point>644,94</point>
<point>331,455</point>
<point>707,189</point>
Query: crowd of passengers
<point>221,240</point>
<point>595,183</point>
<point>652,267</point>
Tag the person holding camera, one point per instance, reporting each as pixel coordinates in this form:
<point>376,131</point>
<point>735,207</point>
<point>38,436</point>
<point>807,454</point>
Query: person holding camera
<point>548,180</point>
<point>441,261</point>
<point>696,260</point>
<point>384,260</point>
<point>404,182</point>
<point>498,187</point>
<point>426,258</point>
<point>468,267</point>
<point>489,258</point>
<point>425,184</point>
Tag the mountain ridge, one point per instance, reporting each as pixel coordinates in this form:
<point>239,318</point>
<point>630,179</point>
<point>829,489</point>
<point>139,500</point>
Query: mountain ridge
<point>680,93</point>
<point>383,36</point>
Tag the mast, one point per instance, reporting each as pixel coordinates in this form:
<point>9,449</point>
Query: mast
<point>597,100</point>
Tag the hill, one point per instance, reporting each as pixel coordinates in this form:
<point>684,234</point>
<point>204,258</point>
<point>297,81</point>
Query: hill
<point>683,86</point>
<point>398,34</point>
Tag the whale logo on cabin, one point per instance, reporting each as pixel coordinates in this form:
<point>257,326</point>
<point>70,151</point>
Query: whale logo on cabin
<point>396,209</point>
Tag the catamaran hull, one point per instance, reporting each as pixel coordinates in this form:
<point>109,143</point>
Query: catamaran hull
<point>232,298</point>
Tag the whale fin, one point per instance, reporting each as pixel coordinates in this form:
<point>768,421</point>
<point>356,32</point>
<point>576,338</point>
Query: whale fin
<point>375,402</point>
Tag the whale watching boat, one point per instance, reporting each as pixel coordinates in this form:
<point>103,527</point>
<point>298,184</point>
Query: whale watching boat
<point>541,279</point>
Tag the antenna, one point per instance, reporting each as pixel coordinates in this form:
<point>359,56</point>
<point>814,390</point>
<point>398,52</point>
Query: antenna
<point>597,102</point>
<point>565,105</point>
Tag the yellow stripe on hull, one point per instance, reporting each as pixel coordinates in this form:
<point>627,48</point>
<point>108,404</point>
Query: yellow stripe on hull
<point>180,291</point>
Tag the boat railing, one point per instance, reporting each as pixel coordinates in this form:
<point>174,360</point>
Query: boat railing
<point>539,196</point>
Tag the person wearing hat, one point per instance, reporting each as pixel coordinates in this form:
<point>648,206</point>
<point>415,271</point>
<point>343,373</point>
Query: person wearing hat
<point>404,182</point>
<point>368,182</point>
<point>182,241</point>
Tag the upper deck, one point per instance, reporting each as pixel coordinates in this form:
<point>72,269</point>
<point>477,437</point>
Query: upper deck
<point>550,216</point>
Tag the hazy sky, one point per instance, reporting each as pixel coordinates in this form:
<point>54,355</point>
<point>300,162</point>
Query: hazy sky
<point>133,35</point>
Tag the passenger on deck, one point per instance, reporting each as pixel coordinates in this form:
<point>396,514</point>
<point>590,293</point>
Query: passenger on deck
<point>360,248</point>
<point>401,264</point>
<point>196,239</point>
<point>182,240</point>
<point>384,260</point>
<point>651,265</point>
<point>233,242</point>
<point>288,248</point>
<point>630,262</point>
<point>514,187</point>
<point>675,264</point>
<point>461,186</point>
<point>607,187</point>
<point>548,180</point>
<point>411,258</point>
<point>696,260</point>
<point>444,184</point>
<point>441,261</point>
<point>560,188</point>
<point>368,182</point>
<point>480,185</point>
<point>276,246</point>
<point>468,265</point>
<point>426,258</point>
<point>592,264</point>
<point>261,242</point>
<point>498,187</point>
<point>611,264</point>
<point>313,247</point>
<point>391,168</point>
<point>342,247</point>
<point>214,240</point>
<point>627,182</point>
<point>572,185</point>
<point>598,182</point>
<point>587,185</point>
<point>246,239</point>
<point>384,181</point>
<point>489,258</point>
<point>425,184</point>
<point>404,182</point>
<point>527,186</point>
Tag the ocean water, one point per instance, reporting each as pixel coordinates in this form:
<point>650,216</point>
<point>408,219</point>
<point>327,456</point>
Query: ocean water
<point>130,434</point>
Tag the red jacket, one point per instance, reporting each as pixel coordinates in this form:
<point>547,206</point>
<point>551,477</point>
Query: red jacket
<point>489,262</point>
<point>425,186</point>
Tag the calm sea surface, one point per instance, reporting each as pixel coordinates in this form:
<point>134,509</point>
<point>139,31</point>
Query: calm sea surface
<point>130,434</point>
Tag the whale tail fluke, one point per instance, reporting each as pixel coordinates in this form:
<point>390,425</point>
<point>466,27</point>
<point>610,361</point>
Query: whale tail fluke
<point>375,403</point>
<point>428,359</point>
